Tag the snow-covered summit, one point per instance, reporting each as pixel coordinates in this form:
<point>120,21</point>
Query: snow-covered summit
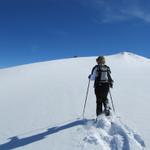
<point>131,56</point>
<point>40,102</point>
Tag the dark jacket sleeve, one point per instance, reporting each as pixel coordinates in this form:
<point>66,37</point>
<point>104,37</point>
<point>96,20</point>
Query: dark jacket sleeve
<point>109,76</point>
<point>92,73</point>
<point>93,69</point>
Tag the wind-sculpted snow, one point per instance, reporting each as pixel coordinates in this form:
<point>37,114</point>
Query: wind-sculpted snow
<point>109,133</point>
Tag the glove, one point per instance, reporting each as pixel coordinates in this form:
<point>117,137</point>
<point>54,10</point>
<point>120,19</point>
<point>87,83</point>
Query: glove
<point>89,76</point>
<point>111,84</point>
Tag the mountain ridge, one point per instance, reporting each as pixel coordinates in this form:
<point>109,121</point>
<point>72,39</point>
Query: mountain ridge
<point>36,96</point>
<point>120,54</point>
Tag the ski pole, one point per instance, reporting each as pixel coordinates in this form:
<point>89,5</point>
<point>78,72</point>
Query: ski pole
<point>86,98</point>
<point>112,101</point>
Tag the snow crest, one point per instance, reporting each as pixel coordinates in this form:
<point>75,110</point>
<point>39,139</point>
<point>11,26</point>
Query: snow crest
<point>110,133</point>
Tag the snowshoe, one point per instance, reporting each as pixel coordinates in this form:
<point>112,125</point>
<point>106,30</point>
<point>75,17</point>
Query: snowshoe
<point>107,112</point>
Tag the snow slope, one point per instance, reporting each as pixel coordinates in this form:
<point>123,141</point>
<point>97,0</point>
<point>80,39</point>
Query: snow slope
<point>41,105</point>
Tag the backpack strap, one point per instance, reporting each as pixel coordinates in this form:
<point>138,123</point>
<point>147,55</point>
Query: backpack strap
<point>109,76</point>
<point>98,76</point>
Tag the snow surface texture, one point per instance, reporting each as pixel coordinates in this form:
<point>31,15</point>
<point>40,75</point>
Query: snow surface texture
<point>42,104</point>
<point>111,134</point>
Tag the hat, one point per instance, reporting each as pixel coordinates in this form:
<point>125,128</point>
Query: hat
<point>100,58</point>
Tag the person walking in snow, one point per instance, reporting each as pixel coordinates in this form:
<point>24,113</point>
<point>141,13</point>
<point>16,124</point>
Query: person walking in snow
<point>101,74</point>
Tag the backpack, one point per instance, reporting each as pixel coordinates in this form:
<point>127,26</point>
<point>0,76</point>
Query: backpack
<point>103,75</point>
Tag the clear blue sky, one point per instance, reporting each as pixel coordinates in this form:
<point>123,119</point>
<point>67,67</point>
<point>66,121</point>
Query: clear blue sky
<point>39,30</point>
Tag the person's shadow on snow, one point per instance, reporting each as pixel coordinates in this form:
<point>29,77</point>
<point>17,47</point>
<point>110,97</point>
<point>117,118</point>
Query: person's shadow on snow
<point>16,142</point>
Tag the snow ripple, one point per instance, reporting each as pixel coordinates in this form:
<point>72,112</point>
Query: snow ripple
<point>109,133</point>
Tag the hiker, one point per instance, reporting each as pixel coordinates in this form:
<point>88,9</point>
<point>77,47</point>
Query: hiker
<point>103,81</point>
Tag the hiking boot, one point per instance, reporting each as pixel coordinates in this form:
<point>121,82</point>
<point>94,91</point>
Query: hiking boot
<point>107,111</point>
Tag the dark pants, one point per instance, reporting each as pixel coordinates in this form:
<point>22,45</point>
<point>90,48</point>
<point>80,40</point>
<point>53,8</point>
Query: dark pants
<point>101,93</point>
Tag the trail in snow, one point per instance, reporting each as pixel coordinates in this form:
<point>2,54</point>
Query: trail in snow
<point>109,133</point>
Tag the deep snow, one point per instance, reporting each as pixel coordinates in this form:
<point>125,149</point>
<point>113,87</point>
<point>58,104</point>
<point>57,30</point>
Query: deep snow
<point>111,134</point>
<point>41,105</point>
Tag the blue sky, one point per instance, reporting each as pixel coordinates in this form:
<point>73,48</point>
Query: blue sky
<point>40,30</point>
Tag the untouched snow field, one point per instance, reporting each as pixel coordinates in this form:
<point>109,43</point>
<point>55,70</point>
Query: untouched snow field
<point>41,106</point>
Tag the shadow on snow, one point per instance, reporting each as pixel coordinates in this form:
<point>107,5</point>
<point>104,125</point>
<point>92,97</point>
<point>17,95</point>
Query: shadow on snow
<point>16,142</point>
